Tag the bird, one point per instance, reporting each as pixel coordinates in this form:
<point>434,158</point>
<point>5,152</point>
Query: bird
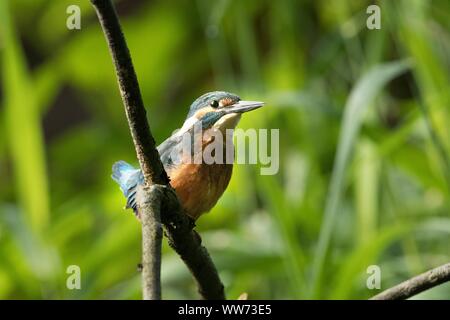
<point>198,184</point>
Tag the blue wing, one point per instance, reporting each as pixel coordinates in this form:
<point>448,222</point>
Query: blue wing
<point>170,152</point>
<point>128,178</point>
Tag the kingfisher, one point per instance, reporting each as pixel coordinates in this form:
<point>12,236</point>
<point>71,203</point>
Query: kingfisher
<point>198,184</point>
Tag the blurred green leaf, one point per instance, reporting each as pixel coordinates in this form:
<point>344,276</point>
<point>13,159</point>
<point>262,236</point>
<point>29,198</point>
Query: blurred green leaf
<point>23,127</point>
<point>359,100</point>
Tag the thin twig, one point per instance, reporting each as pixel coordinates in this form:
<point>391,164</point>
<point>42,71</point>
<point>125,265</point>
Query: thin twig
<point>413,286</point>
<point>179,228</point>
<point>148,156</point>
<point>144,143</point>
<point>150,202</point>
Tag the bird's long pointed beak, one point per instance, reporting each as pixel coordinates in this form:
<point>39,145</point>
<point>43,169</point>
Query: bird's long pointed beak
<point>244,106</point>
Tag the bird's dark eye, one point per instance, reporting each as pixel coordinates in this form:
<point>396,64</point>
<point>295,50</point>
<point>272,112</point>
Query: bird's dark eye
<point>214,103</point>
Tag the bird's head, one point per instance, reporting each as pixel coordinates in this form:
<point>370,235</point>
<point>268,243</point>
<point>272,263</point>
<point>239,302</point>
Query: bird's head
<point>219,109</point>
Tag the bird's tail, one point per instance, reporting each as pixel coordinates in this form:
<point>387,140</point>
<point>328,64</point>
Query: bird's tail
<point>128,178</point>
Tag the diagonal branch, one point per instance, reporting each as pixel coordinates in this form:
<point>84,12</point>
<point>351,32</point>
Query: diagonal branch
<point>148,156</point>
<point>166,209</point>
<point>415,285</point>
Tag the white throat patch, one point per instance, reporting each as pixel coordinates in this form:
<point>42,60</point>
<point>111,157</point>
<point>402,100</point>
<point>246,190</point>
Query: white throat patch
<point>228,121</point>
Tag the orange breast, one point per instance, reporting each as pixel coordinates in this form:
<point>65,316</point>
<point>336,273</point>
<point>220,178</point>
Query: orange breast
<point>199,186</point>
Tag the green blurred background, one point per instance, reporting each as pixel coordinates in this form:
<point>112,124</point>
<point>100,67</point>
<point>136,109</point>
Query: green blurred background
<point>364,144</point>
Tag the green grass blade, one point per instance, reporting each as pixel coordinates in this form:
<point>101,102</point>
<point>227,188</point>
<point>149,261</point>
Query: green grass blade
<point>359,100</point>
<point>366,254</point>
<point>23,128</point>
<point>366,179</point>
